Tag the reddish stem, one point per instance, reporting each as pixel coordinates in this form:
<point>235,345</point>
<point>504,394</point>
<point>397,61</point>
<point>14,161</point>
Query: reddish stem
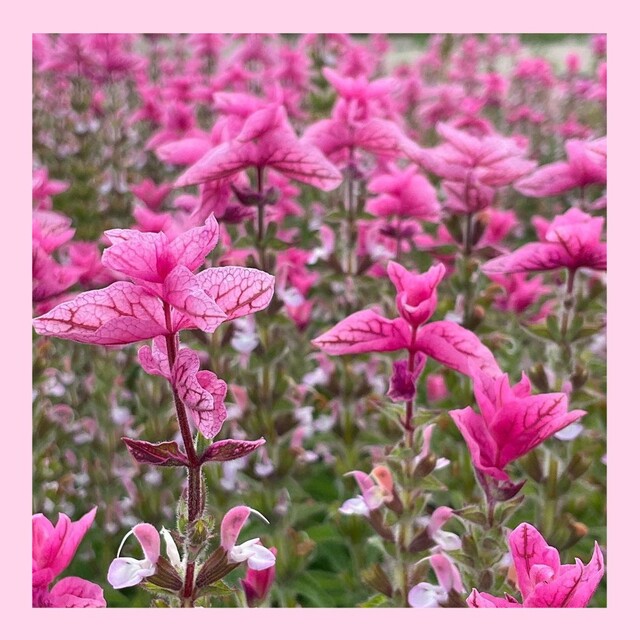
<point>194,489</point>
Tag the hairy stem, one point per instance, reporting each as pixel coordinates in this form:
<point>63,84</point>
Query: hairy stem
<point>194,488</point>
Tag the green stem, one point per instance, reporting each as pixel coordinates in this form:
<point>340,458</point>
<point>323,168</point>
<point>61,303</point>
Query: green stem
<point>260,239</point>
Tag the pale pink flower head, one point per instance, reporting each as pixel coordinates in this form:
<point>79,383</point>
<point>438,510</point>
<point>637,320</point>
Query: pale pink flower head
<point>376,489</point>
<point>511,421</point>
<point>416,298</point>
<point>127,572</point>
<point>266,140</point>
<point>425,595</point>
<point>572,240</point>
<point>251,551</point>
<point>541,579</point>
<point>53,548</point>
<point>586,164</point>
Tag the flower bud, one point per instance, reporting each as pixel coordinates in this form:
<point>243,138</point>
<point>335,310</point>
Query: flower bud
<point>577,466</point>
<point>538,376</point>
<point>579,376</point>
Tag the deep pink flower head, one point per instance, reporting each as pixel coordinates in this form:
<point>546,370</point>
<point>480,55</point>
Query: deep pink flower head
<point>266,140</point>
<point>572,240</point>
<point>404,193</point>
<point>542,580</point>
<point>367,331</point>
<point>257,582</point>
<point>52,552</point>
<point>417,297</point>
<point>520,293</point>
<point>511,421</point>
<point>586,164</point>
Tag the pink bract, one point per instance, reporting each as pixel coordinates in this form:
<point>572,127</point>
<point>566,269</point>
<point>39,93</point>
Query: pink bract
<point>542,580</point>
<point>266,140</point>
<point>511,421</point>
<point>52,551</point>
<point>572,240</point>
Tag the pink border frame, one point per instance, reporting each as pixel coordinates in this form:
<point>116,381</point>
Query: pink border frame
<point>283,16</point>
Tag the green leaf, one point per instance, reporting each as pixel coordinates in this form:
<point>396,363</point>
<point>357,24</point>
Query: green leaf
<point>379,600</point>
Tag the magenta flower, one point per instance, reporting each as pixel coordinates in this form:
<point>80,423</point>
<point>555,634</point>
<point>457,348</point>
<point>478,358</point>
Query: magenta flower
<point>511,421</point>
<point>165,297</point>
<point>52,552</point>
<point>586,164</point>
<point>367,331</point>
<point>257,582</point>
<point>542,580</point>
<point>266,140</point>
<point>572,240</point>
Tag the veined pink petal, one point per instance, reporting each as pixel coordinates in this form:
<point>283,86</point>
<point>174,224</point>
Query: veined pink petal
<point>363,332</point>
<point>456,347</point>
<point>194,245</point>
<point>76,593</point>
<point>154,360</point>
<point>479,600</point>
<point>136,254</point>
<point>201,391</point>
<point>238,291</point>
<point>121,313</point>
<point>183,152</point>
<point>521,425</point>
<point>535,256</point>
<point>529,548</point>
<point>182,290</point>
<point>550,180</point>
<point>482,447</point>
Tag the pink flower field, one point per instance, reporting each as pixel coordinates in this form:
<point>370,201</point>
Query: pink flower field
<point>319,321</point>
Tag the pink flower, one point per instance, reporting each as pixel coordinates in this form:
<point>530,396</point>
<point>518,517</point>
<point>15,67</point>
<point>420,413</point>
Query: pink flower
<point>257,582</point>
<point>127,572</point>
<point>52,551</point>
<point>511,421</point>
<point>586,164</point>
<point>572,240</point>
<point>266,140</point>
<point>425,595</point>
<point>165,297</point>
<point>376,488</point>
<point>542,580</point>
<point>251,551</point>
